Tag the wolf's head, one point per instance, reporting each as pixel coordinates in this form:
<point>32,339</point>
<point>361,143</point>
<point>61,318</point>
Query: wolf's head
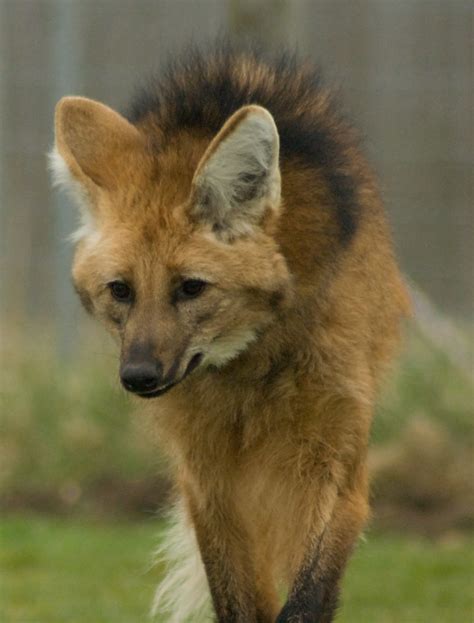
<point>175,253</point>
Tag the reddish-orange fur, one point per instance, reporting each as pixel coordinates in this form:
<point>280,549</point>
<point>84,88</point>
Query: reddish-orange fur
<point>269,450</point>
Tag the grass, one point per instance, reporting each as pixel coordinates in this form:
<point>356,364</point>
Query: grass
<point>55,571</point>
<point>67,430</point>
<point>404,580</point>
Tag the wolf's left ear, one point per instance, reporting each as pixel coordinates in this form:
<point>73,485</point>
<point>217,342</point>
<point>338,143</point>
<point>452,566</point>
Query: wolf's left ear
<point>237,183</point>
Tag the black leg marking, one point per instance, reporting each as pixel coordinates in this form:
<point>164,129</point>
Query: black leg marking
<point>314,596</point>
<point>314,601</point>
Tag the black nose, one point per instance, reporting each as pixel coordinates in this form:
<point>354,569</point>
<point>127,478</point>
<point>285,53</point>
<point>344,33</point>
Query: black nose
<point>141,377</point>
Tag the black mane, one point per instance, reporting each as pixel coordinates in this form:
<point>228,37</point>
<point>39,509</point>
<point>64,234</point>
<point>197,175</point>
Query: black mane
<point>204,87</point>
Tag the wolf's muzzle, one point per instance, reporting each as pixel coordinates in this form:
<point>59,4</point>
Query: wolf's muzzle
<point>142,377</point>
<point>145,378</point>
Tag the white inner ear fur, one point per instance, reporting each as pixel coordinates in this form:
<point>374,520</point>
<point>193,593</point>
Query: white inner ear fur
<point>63,179</point>
<point>241,177</point>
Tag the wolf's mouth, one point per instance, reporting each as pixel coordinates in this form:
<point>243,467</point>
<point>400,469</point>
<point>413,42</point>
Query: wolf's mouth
<point>192,365</point>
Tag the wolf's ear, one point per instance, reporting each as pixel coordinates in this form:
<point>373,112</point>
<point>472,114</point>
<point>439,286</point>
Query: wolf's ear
<point>93,143</point>
<point>237,182</point>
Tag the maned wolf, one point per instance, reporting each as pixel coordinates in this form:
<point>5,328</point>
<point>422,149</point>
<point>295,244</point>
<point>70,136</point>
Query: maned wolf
<point>234,240</point>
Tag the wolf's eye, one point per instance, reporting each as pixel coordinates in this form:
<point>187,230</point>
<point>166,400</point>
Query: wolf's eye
<point>121,291</point>
<point>191,288</point>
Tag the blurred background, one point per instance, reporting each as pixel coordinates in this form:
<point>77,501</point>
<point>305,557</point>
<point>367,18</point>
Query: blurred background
<point>81,480</point>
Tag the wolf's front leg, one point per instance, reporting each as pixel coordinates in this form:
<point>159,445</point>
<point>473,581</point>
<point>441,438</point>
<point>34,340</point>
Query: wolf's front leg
<point>227,556</point>
<point>315,591</point>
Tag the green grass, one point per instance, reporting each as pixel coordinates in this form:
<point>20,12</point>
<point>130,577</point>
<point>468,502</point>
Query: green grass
<point>66,429</point>
<point>64,571</point>
<point>404,580</point>
<point>58,571</point>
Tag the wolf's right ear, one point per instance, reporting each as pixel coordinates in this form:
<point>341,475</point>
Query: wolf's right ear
<point>93,144</point>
